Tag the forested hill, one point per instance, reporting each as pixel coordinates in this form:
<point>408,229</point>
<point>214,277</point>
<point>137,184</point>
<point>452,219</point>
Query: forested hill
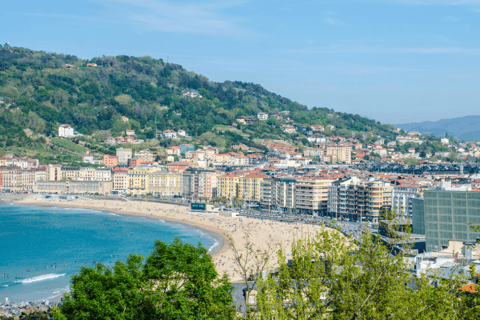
<point>42,93</point>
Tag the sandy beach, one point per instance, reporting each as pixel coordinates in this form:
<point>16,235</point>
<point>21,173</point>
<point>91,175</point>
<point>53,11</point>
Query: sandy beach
<point>264,234</point>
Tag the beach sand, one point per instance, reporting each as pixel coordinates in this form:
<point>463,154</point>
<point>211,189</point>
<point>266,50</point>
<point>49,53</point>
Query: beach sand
<point>263,234</point>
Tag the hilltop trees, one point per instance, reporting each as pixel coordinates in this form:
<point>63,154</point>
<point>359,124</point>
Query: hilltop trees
<point>142,89</point>
<point>177,281</point>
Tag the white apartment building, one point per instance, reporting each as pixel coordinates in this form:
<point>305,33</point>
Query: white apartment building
<point>124,155</point>
<point>266,193</point>
<point>145,155</point>
<point>283,194</point>
<point>338,199</point>
<point>120,181</point>
<point>404,139</point>
<point>66,131</point>
<point>24,163</point>
<point>317,138</point>
<point>402,196</point>
<point>86,174</point>
<point>382,152</point>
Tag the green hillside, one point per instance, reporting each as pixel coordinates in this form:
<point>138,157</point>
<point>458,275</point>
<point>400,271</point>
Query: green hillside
<point>39,93</point>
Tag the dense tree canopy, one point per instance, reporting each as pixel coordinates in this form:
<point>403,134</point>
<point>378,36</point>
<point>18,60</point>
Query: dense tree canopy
<point>177,281</point>
<point>44,94</point>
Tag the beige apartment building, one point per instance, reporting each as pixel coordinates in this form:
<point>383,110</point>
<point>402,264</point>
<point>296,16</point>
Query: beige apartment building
<point>137,180</point>
<point>311,195</point>
<point>244,185</point>
<point>164,183</point>
<point>17,179</point>
<point>379,198</point>
<point>143,180</point>
<point>54,172</point>
<point>340,153</point>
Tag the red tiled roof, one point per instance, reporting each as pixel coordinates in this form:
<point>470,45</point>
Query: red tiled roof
<point>471,287</point>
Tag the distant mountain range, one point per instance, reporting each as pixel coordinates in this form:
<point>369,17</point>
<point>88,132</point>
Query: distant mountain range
<point>463,128</point>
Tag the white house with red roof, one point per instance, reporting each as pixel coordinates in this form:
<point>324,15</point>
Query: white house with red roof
<point>66,131</point>
<point>170,134</point>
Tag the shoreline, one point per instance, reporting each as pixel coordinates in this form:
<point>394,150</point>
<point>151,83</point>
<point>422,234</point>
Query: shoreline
<point>261,235</point>
<point>218,235</point>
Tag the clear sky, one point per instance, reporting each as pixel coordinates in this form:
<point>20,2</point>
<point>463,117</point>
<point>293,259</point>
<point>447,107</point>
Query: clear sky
<point>394,61</point>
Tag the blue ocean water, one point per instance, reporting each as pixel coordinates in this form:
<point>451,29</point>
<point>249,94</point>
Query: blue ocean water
<point>41,247</point>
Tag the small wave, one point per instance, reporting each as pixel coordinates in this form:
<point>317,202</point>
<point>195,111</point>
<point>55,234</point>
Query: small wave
<point>216,243</point>
<point>5,285</point>
<point>41,278</point>
<point>108,213</point>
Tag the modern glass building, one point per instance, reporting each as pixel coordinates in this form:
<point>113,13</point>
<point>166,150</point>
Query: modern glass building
<point>418,216</point>
<point>446,215</point>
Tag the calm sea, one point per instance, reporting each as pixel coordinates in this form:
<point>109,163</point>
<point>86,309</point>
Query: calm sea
<point>41,247</point>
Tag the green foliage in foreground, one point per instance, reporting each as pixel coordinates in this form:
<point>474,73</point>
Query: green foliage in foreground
<point>329,279</point>
<point>177,281</point>
<point>326,277</point>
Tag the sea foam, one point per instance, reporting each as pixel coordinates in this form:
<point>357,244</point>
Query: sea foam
<point>41,278</point>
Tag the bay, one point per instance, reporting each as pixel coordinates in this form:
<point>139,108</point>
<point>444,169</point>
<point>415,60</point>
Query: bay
<point>42,247</point>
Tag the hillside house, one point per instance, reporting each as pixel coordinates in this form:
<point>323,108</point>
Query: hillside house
<point>262,116</point>
<point>317,128</point>
<point>248,120</point>
<point>169,134</point>
<point>176,150</point>
<point>317,138</point>
<point>181,133</point>
<point>240,147</point>
<point>289,129</point>
<point>66,131</point>
<point>70,66</point>
<point>191,93</point>
<point>91,64</point>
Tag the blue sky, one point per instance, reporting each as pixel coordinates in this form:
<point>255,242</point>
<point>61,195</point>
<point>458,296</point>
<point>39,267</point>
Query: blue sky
<point>394,61</point>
